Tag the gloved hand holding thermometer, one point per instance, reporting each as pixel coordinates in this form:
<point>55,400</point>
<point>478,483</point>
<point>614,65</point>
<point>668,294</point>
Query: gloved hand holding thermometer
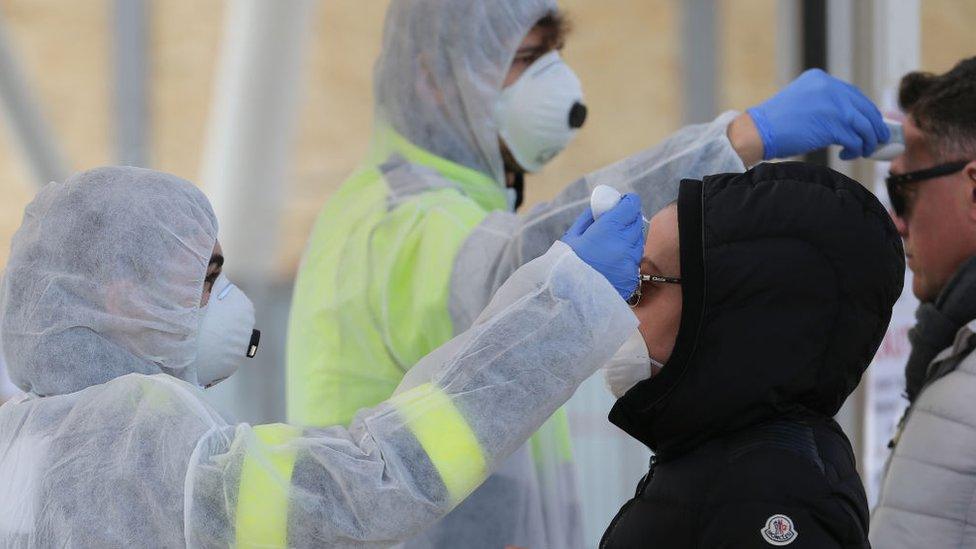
<point>817,110</point>
<point>613,244</point>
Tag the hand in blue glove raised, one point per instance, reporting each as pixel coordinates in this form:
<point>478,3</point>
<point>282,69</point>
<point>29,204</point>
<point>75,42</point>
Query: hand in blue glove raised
<point>613,245</point>
<point>817,110</point>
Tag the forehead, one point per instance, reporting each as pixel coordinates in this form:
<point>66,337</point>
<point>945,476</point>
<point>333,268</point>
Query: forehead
<point>661,246</point>
<point>917,152</point>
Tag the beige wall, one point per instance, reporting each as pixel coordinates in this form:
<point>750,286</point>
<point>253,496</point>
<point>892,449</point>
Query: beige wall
<point>747,52</point>
<point>948,28</point>
<point>626,51</point>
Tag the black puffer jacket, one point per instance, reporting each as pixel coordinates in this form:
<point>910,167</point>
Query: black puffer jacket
<point>789,275</point>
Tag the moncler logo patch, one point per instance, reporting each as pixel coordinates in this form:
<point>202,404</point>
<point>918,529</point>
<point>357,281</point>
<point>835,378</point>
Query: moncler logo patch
<point>779,530</point>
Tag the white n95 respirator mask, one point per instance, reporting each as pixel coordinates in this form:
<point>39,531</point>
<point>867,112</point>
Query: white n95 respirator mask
<point>227,335</point>
<point>540,112</point>
<point>629,365</point>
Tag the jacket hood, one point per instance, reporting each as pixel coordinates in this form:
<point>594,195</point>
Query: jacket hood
<point>104,279</point>
<point>441,71</point>
<point>789,274</point>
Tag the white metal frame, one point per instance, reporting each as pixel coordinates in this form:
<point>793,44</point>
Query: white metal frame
<point>871,43</point>
<point>251,128</point>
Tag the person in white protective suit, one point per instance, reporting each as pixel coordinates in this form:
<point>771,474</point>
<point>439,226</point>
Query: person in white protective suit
<point>114,313</point>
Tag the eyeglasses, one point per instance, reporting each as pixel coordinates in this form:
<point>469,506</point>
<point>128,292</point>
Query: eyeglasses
<point>896,183</point>
<point>635,299</point>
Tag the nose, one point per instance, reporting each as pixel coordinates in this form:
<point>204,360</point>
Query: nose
<point>901,225</point>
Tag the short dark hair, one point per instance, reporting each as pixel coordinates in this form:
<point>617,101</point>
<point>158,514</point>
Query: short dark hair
<point>943,106</point>
<point>557,27</point>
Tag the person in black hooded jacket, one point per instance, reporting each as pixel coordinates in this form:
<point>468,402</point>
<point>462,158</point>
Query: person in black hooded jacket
<point>773,290</point>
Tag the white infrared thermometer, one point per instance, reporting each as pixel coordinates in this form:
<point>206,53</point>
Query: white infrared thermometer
<point>604,198</point>
<point>895,145</point>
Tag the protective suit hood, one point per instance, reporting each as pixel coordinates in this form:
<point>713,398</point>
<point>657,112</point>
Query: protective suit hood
<point>104,279</point>
<point>789,273</point>
<point>441,71</point>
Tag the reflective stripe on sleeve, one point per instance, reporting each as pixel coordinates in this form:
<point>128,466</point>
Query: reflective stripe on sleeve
<point>262,499</point>
<point>446,437</point>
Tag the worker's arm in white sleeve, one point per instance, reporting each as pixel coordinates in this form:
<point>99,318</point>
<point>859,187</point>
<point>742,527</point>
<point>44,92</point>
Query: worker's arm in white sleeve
<point>403,464</point>
<point>504,241</point>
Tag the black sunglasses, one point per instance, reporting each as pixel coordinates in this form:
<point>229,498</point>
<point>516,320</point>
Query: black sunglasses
<point>635,299</point>
<point>896,183</point>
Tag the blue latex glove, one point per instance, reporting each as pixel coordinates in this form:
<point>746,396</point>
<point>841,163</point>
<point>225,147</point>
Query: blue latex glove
<point>613,245</point>
<point>817,110</point>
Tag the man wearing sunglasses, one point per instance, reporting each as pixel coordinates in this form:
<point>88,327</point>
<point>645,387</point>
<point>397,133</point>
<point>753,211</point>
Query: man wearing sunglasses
<point>928,497</point>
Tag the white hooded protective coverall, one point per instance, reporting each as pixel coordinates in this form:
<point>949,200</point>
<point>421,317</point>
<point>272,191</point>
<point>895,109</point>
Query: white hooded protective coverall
<point>410,249</point>
<point>113,445</point>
